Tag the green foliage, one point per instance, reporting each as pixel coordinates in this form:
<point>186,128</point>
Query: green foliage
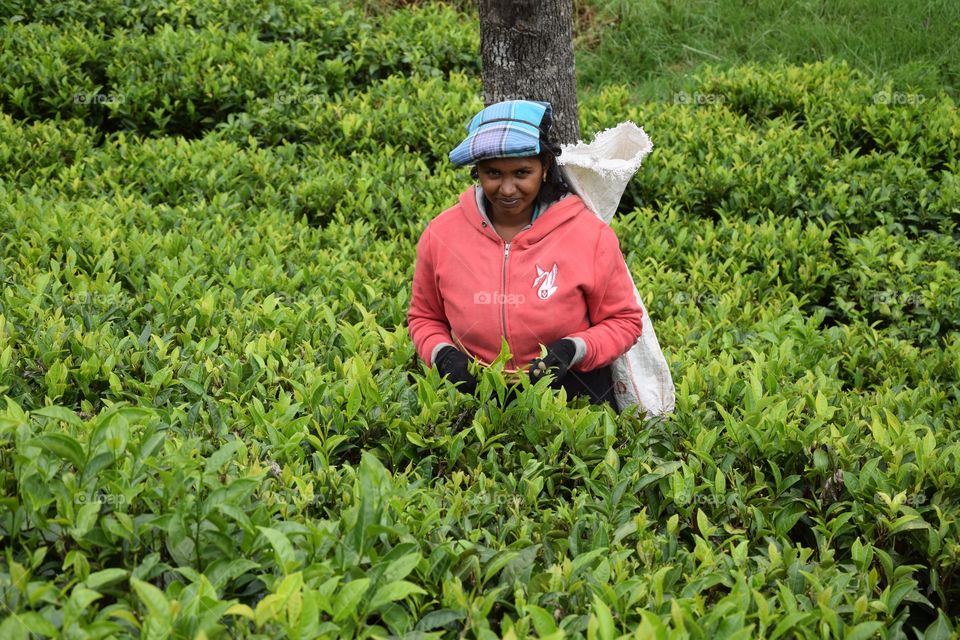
<point>214,422</point>
<point>653,44</point>
<point>331,25</point>
<point>156,69</point>
<point>182,81</point>
<point>50,71</point>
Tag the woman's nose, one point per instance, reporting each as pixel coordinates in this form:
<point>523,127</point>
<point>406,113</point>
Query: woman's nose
<point>507,188</point>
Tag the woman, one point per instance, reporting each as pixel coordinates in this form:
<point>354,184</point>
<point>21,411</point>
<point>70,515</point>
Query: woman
<point>521,258</point>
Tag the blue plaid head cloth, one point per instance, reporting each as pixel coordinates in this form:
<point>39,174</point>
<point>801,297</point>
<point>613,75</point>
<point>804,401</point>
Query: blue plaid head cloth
<point>509,129</point>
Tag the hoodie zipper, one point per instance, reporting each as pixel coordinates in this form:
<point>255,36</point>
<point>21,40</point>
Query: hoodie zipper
<point>503,300</point>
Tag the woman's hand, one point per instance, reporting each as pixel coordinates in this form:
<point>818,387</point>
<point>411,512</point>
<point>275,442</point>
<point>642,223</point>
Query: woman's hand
<point>558,360</point>
<point>452,362</point>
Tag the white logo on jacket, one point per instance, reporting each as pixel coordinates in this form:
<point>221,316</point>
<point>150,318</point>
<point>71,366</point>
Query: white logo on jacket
<point>546,280</point>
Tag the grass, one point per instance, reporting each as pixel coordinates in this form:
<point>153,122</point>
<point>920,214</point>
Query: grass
<point>654,46</point>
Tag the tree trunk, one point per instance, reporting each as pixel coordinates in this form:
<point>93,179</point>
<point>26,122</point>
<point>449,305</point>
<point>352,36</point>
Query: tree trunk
<point>527,53</point>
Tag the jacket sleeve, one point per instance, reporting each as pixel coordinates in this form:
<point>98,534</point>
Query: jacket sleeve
<point>426,322</point>
<point>616,317</point>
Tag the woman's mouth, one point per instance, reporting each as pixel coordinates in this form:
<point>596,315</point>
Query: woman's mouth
<point>512,202</point>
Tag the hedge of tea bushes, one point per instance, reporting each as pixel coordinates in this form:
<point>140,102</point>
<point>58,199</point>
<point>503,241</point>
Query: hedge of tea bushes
<point>215,423</point>
<point>389,113</point>
<point>283,20</point>
<point>186,73</point>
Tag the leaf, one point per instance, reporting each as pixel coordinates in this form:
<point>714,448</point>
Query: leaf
<point>86,518</point>
<point>414,438</point>
<point>349,598</point>
<point>82,598</point>
<point>105,577</point>
<point>678,488</point>
<point>291,591</point>
<point>908,522</point>
<point>822,407</point>
<point>62,446</point>
<point>673,522</point>
<point>542,620</point>
<point>286,558</point>
<point>221,456</point>
<point>627,528</point>
<point>268,609</point>
<point>354,399</point>
<point>192,386</point>
<point>601,621</point>
<point>499,561</point>
<point>392,592</point>
<point>240,610</point>
<point>863,630</point>
<point>789,622</point>
<point>59,413</point>
<point>401,567</point>
<point>153,598</point>
<point>662,471</point>
<point>585,559</point>
<point>703,524</point>
<point>37,624</point>
<point>820,460</point>
<point>941,629</point>
<point>438,619</point>
<point>99,462</point>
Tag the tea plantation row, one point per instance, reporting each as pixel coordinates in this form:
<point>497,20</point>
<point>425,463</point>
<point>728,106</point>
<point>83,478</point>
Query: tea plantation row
<point>215,424</point>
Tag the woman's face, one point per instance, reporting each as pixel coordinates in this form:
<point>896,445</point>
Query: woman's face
<point>511,185</point>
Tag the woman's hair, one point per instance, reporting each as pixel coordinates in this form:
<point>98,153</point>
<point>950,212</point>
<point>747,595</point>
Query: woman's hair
<point>554,187</point>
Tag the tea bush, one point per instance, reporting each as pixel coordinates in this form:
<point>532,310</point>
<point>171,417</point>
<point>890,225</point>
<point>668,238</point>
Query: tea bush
<point>214,422</point>
<point>179,72</point>
<point>51,71</point>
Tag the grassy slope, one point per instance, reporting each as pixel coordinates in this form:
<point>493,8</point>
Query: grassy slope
<point>652,45</point>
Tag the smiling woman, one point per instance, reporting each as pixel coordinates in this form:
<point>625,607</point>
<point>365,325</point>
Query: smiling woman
<point>521,258</point>
<point>511,185</point>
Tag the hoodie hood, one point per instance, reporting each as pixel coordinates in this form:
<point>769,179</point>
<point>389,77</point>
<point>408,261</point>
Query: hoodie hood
<point>558,214</point>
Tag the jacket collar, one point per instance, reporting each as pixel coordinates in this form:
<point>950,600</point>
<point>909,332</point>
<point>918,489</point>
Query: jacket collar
<point>556,215</point>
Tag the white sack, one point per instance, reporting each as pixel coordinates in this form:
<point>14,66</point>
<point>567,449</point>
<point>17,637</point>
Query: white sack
<point>599,172</point>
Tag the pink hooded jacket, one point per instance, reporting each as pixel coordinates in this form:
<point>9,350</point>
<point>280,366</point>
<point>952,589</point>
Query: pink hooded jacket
<point>561,277</point>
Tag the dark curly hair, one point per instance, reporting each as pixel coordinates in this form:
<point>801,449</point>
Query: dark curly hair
<point>554,187</point>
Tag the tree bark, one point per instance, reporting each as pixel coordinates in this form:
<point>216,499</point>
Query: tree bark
<point>527,54</point>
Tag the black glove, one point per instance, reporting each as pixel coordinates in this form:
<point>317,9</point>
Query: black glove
<point>452,362</point>
<point>557,361</point>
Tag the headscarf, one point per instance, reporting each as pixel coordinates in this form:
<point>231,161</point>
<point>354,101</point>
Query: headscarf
<point>509,129</point>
